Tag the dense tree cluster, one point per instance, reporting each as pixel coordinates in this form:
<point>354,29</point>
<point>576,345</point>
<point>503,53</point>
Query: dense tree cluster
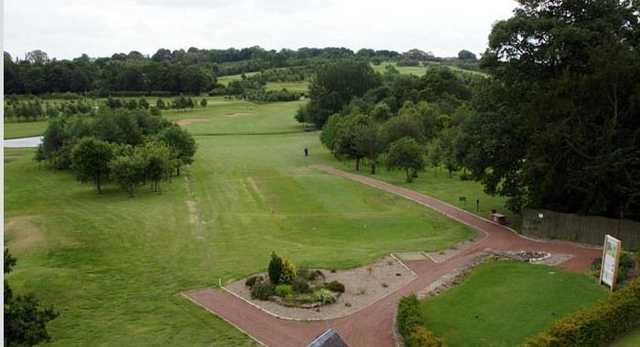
<point>127,147</point>
<point>396,121</point>
<point>558,122</point>
<point>179,71</point>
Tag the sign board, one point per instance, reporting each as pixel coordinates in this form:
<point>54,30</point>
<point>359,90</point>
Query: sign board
<point>610,260</point>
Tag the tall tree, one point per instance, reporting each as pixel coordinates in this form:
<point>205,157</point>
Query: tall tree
<point>335,85</point>
<point>406,154</point>
<point>90,160</point>
<point>558,122</point>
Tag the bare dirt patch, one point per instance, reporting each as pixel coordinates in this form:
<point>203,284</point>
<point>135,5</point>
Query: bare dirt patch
<point>190,121</point>
<point>23,234</point>
<point>364,286</point>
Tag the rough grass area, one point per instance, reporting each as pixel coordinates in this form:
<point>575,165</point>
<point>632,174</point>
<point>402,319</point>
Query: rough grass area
<point>113,265</point>
<point>503,303</point>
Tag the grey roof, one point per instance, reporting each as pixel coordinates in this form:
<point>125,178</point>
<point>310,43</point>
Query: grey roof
<point>329,338</point>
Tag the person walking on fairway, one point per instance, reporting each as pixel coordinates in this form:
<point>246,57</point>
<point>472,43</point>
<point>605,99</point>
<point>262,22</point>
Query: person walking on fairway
<point>306,152</point>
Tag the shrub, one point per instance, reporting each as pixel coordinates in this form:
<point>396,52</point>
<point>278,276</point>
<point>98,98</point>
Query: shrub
<point>627,263</point>
<point>421,337</point>
<point>409,316</point>
<point>262,291</point>
<point>324,296</point>
<point>288,271</point>
<point>275,268</point>
<point>335,286</point>
<point>251,281</point>
<point>284,290</point>
<point>607,320</point>
<point>300,285</point>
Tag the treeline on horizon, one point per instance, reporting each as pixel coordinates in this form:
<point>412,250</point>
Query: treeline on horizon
<point>172,72</point>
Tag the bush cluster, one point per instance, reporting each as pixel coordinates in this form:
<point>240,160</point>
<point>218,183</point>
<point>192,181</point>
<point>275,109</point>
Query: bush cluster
<point>598,325</point>
<point>251,281</point>
<point>262,291</point>
<point>324,296</point>
<point>410,325</point>
<point>335,286</point>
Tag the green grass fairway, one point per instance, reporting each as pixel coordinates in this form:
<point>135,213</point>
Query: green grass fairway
<point>228,78</point>
<point>504,303</point>
<point>631,340</point>
<point>114,265</point>
<point>14,130</point>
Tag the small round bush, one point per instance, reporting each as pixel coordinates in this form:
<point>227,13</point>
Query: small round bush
<point>324,296</point>
<point>335,286</point>
<point>300,285</point>
<point>314,275</point>
<point>251,281</point>
<point>262,291</point>
<point>284,290</point>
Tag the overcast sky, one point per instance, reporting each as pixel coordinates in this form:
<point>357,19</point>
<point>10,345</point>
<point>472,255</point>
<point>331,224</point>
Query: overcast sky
<point>68,28</point>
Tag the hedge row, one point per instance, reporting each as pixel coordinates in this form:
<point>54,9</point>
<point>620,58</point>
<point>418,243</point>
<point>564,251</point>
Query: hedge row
<point>596,326</point>
<point>410,325</point>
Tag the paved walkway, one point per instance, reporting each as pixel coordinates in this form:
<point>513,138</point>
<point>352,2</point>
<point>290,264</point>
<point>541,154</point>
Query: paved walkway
<point>372,326</point>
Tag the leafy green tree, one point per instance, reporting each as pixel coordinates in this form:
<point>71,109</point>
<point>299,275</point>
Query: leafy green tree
<point>128,171</point>
<point>25,321</point>
<point>369,142</point>
<point>556,124</point>
<point>181,143</point>
<point>403,125</point>
<point>203,102</point>
<point>467,55</point>
<point>90,160</point>
<point>157,159</point>
<point>335,85</point>
<point>405,154</point>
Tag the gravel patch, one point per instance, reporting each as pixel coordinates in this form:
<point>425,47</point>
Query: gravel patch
<point>364,286</point>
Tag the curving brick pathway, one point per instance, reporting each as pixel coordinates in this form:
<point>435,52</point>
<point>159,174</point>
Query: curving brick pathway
<point>373,325</point>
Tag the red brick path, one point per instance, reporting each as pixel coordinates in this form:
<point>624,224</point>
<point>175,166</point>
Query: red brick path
<point>372,326</point>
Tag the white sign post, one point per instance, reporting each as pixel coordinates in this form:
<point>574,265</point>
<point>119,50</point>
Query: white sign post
<point>610,261</point>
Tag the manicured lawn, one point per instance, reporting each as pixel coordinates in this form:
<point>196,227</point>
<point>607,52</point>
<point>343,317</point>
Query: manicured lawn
<point>631,340</point>
<point>504,303</point>
<point>113,265</point>
<point>14,130</point>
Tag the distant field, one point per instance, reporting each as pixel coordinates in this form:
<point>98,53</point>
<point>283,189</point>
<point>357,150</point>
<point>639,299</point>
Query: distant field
<point>24,129</point>
<point>504,303</point>
<point>421,70</point>
<point>113,265</point>
<point>226,79</point>
<point>301,86</point>
<point>408,70</point>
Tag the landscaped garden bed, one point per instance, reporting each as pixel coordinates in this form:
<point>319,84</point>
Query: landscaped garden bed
<point>316,294</point>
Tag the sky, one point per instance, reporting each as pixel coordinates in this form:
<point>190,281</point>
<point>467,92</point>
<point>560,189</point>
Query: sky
<point>69,28</point>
